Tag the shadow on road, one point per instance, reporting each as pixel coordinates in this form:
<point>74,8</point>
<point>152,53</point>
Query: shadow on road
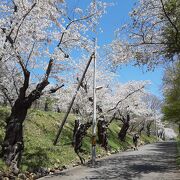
<point>158,160</point>
<point>150,162</point>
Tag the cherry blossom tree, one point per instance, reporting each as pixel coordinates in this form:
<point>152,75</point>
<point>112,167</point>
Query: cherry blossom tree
<point>153,105</point>
<point>127,104</point>
<point>37,38</point>
<point>124,102</point>
<point>114,101</point>
<point>152,36</point>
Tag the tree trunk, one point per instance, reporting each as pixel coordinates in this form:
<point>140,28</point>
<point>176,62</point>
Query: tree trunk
<point>76,126</point>
<point>125,127</point>
<point>80,130</point>
<point>13,143</point>
<point>36,105</point>
<point>148,129</point>
<point>141,129</point>
<point>5,102</point>
<point>46,108</point>
<point>102,133</point>
<point>58,110</point>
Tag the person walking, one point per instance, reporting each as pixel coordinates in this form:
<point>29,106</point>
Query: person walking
<point>135,141</point>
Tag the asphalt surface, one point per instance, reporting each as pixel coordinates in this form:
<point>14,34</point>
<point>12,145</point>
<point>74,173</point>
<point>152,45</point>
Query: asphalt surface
<point>151,162</point>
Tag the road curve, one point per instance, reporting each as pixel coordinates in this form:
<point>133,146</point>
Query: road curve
<point>151,162</point>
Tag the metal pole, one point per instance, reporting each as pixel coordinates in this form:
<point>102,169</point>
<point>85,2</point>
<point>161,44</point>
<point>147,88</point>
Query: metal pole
<point>156,129</point>
<point>72,101</point>
<point>94,113</point>
<point>94,96</point>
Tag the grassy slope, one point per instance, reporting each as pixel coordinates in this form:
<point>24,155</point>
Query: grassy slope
<point>40,129</point>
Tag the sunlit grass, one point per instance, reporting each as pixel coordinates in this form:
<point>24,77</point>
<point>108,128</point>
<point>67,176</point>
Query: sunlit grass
<point>40,129</point>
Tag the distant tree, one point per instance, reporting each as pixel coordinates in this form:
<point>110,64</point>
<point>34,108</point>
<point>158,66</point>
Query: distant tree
<point>152,36</point>
<point>112,99</point>
<point>171,107</point>
<point>127,104</point>
<point>154,105</point>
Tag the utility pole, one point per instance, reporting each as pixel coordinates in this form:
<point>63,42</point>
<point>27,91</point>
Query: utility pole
<point>156,129</point>
<point>94,112</point>
<point>94,97</point>
<point>72,101</point>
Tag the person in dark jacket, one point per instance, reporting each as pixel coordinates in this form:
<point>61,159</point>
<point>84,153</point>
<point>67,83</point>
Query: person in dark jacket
<point>135,141</point>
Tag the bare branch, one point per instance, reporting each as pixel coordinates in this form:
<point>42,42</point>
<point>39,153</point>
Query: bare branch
<point>53,90</point>
<point>8,37</point>
<point>15,7</point>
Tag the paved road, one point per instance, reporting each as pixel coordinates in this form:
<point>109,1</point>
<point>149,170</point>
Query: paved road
<point>150,162</point>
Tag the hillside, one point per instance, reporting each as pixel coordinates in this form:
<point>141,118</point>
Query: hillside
<point>40,129</point>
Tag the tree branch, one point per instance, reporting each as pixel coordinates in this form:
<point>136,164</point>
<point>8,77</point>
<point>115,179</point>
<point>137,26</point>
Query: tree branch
<point>15,86</point>
<point>71,22</point>
<point>48,70</point>
<point>30,54</point>
<point>22,20</point>
<point>125,98</point>
<point>36,93</point>
<point>169,19</point>
<point>53,90</point>
<point>26,73</point>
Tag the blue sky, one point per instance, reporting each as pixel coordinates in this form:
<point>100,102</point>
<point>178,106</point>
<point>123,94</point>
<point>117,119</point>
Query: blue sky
<point>116,16</point>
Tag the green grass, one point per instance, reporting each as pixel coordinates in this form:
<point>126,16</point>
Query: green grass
<point>113,141</point>
<point>178,151</point>
<point>148,139</point>
<point>40,129</point>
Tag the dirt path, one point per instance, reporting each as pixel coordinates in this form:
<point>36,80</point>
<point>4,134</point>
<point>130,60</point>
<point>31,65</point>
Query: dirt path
<point>150,162</point>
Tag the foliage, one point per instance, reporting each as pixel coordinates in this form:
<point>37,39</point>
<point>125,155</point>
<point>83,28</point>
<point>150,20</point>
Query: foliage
<point>171,31</point>
<point>171,106</point>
